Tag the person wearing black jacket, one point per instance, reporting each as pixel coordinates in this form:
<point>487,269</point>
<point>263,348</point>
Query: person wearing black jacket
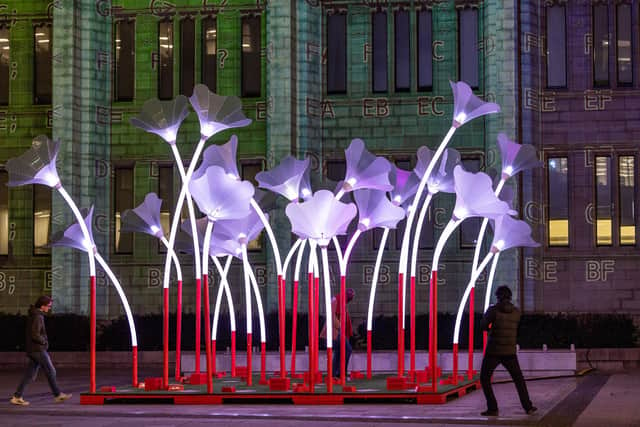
<point>501,320</point>
<point>36,346</point>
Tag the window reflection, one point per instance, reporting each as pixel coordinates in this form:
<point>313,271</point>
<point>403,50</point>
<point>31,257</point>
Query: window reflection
<point>41,219</point>
<point>42,63</point>
<point>337,53</point>
<point>165,66</point>
<point>600,45</point>
<point>123,201</point>
<point>468,39</point>
<point>558,194</point>
<point>209,52</point>
<point>603,201</point>
<point>556,42</point>
<point>5,60</point>
<point>623,44</point>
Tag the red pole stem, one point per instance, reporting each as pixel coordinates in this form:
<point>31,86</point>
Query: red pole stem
<point>92,335</point>
<point>294,327</point>
<point>198,308</point>
<point>178,330</point>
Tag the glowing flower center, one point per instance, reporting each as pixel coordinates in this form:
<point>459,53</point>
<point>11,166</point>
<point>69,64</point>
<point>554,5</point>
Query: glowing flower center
<point>154,229</point>
<point>461,213</point>
<point>351,181</point>
<point>461,117</point>
<point>397,200</point>
<point>499,244</point>
<point>305,192</point>
<point>366,222</point>
<point>508,170</point>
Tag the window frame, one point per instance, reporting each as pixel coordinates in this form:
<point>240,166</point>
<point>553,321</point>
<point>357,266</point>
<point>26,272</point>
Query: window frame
<point>42,80</point>
<point>187,56</point>
<point>600,82</point>
<point>165,82</point>
<point>41,190</point>
<point>212,83</point>
<point>565,84</point>
<point>472,46</point>
<point>116,168</point>
<point>631,45</point>
<point>5,71</point>
<point>400,49</point>
<point>165,200</point>
<point>618,196</point>
<point>612,195</point>
<point>118,92</point>
<point>249,59</point>
<point>428,53</point>
<point>548,201</point>
<point>381,73</point>
<point>5,198</point>
<point>333,86</point>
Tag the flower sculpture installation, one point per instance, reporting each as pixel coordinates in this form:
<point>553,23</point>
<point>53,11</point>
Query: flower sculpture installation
<point>466,106</point>
<point>474,198</point>
<point>163,118</point>
<point>73,237</point>
<point>219,197</point>
<point>145,218</point>
<point>509,233</point>
<point>285,179</point>
<point>38,166</point>
<point>364,170</point>
<point>235,234</point>
<point>320,219</point>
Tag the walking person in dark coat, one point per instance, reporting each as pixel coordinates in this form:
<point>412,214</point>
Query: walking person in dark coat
<point>36,346</point>
<point>501,320</point>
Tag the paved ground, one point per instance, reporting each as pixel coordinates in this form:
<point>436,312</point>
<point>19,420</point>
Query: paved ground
<point>597,399</point>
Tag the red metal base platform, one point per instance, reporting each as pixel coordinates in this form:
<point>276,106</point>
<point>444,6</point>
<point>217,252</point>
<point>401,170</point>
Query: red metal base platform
<point>236,391</point>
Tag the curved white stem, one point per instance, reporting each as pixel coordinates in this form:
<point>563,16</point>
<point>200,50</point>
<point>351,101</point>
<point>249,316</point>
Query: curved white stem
<point>272,237</point>
<point>287,259</point>
<point>83,227</point>
<point>192,214</point>
<point>123,298</point>
<point>483,229</point>
<point>174,257</point>
<point>327,298</point>
<point>347,252</point>
<point>446,233</point>
<point>416,237</point>
<point>256,291</point>
<point>247,291</point>
<point>205,248</point>
<point>474,277</point>
<point>336,243</point>
<point>176,215</point>
<point>296,272</point>
<point>487,295</point>
<point>339,194</point>
<point>224,287</point>
<point>416,201</point>
<point>374,279</point>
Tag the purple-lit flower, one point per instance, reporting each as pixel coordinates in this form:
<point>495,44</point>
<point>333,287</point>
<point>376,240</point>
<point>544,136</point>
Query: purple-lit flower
<point>145,218</point>
<point>475,196</point>
<point>184,239</point>
<point>286,178</point>
<point>364,170</point>
<point>37,165</point>
<point>215,112</point>
<point>221,197</point>
<point>441,179</point>
<point>73,237</point>
<point>516,157</point>
<point>223,156</point>
<point>242,230</point>
<point>162,117</point>
<point>467,106</point>
<point>405,185</point>
<point>510,233</point>
<point>305,185</point>
<point>375,210</point>
<point>321,218</point>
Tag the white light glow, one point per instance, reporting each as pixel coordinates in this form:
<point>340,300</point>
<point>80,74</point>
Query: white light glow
<point>397,200</point>
<point>460,213</point>
<point>233,176</point>
<point>366,222</point>
<point>169,134</point>
<point>87,244</point>
<point>461,117</point>
<point>207,129</point>
<point>351,181</point>
<point>51,179</point>
<point>499,244</point>
<point>305,192</point>
<point>290,193</point>
<point>154,229</point>
<point>508,170</point>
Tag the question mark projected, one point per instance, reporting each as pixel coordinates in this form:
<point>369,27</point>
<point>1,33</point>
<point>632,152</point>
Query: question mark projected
<point>224,53</point>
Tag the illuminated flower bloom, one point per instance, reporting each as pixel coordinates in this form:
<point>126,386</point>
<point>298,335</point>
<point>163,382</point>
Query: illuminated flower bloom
<point>286,178</point>
<point>73,237</point>
<point>375,210</point>
<point>215,112</point>
<point>145,218</point>
<point>364,170</point>
<point>516,157</point>
<point>36,166</point>
<point>162,117</point>
<point>223,156</point>
<point>475,196</point>
<point>242,230</point>
<point>221,197</point>
<point>511,233</point>
<point>467,106</point>
<point>321,218</point>
<point>441,178</point>
<point>405,185</point>
<point>184,239</point>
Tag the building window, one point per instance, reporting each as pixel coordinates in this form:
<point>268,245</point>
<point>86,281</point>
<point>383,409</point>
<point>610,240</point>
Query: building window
<point>209,51</point>
<point>165,60</point>
<point>627,189</point>
<point>251,61</point>
<point>558,201</point>
<point>123,193</point>
<point>165,193</point>
<point>5,59</point>
<point>41,219</point>
<point>468,47</point>
<point>337,53</point>
<point>470,227</point>
<point>402,36</point>
<point>556,47</point>
<point>623,44</point>
<point>604,201</point>
<point>187,55</point>
<point>249,170</point>
<point>125,50</point>
<point>600,45</point>
<point>379,48</point>
<point>4,213</point>
<point>336,170</point>
<point>42,38</point>
<point>425,53</point>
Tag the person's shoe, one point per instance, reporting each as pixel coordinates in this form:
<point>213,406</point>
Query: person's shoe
<point>19,401</point>
<point>489,413</point>
<point>531,410</point>
<point>62,397</point>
